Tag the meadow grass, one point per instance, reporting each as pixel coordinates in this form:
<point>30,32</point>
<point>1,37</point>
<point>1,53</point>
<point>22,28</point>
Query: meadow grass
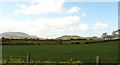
<point>86,53</point>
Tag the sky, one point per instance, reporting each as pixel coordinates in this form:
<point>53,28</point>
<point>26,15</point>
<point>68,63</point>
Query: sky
<point>54,18</point>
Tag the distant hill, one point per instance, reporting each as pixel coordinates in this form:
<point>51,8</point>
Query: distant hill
<point>68,37</point>
<point>17,35</point>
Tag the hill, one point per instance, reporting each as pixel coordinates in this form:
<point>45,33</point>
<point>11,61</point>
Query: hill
<point>68,37</point>
<point>17,35</point>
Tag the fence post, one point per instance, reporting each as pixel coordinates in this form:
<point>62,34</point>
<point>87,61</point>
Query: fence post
<point>28,58</point>
<point>98,60</point>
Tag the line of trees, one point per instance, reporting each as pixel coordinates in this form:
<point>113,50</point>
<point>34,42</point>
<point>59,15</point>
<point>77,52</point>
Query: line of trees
<point>114,35</point>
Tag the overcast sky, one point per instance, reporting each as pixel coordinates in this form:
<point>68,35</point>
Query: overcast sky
<point>54,18</point>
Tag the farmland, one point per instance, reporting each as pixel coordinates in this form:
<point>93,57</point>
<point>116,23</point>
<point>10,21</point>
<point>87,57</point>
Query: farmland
<point>86,53</point>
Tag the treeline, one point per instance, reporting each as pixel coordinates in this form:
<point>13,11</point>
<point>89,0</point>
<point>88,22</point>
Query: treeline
<point>30,41</point>
<point>100,41</point>
<point>25,41</point>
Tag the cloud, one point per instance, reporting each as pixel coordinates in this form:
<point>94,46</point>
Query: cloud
<point>83,27</point>
<point>100,26</point>
<point>84,14</point>
<point>42,27</point>
<point>45,7</point>
<point>66,0</point>
<point>73,10</point>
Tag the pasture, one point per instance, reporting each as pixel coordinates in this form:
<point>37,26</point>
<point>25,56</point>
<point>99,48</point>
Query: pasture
<point>86,53</point>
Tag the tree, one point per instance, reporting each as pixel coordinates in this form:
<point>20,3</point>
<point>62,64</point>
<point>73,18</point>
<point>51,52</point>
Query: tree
<point>3,38</point>
<point>114,34</point>
<point>118,31</point>
<point>104,35</point>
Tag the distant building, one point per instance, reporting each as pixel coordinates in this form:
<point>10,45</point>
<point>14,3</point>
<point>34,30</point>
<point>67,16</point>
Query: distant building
<point>108,37</point>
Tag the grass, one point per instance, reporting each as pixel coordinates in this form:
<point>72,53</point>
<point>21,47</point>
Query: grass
<point>86,53</point>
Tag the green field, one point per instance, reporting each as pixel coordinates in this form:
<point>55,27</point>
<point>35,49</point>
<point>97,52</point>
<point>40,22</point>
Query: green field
<point>108,51</point>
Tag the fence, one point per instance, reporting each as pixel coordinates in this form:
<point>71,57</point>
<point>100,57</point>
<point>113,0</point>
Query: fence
<point>29,61</point>
<point>98,59</point>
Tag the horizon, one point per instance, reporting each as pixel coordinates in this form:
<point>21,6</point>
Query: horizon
<point>57,36</point>
<point>50,19</point>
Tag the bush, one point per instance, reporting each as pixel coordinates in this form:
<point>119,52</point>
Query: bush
<point>75,43</point>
